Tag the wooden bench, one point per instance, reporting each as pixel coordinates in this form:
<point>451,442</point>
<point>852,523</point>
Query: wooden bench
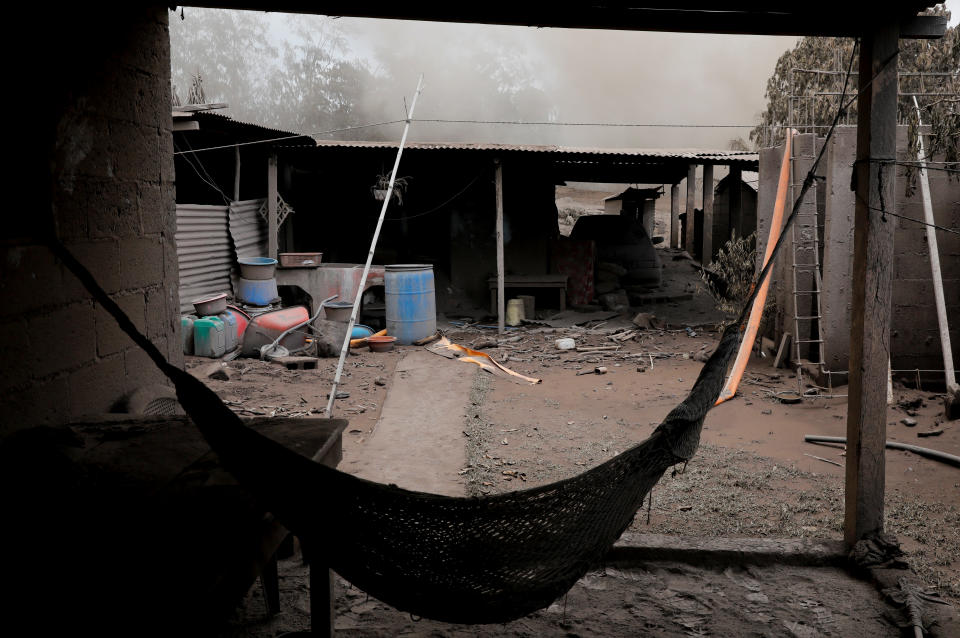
<point>529,281</point>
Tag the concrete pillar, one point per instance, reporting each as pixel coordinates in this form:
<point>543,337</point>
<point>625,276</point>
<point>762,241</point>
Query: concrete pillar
<point>691,205</point>
<point>734,202</point>
<point>838,250</point>
<point>649,215</point>
<point>675,216</point>
<point>707,245</point>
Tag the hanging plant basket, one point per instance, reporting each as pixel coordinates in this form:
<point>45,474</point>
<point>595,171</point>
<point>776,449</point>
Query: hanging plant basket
<point>382,185</point>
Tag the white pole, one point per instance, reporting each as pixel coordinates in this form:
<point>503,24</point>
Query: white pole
<point>949,373</point>
<point>500,299</point>
<point>373,245</point>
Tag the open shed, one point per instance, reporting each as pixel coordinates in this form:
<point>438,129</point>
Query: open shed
<point>98,167</point>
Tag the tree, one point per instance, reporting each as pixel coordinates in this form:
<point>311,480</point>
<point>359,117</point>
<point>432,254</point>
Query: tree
<point>814,112</point>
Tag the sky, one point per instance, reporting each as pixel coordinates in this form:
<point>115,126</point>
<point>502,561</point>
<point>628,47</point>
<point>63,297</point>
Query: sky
<point>693,82</point>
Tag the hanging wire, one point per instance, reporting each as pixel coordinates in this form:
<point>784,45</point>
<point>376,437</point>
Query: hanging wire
<point>208,180</point>
<point>438,207</point>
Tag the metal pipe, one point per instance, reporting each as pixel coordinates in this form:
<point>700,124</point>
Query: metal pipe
<point>949,459</point>
<point>373,245</point>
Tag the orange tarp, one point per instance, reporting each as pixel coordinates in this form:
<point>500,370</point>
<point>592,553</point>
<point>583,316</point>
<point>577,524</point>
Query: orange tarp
<point>753,323</point>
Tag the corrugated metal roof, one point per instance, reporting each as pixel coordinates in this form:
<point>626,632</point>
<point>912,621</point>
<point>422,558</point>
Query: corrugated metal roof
<point>204,252</point>
<point>247,228</point>
<point>210,120</point>
<point>571,152</point>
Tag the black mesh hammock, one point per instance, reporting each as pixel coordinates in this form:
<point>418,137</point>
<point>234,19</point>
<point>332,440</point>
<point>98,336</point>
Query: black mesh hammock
<point>486,559</point>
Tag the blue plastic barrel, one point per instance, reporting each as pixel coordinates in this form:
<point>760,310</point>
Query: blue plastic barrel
<point>411,302</point>
<point>257,292</point>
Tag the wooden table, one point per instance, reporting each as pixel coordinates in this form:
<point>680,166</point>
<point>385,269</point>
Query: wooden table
<point>138,525</point>
<point>529,281</point>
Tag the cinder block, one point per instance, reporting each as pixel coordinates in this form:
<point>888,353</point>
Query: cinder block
<point>60,340</point>
<point>136,151</point>
<point>44,403</point>
<point>140,370</point>
<point>95,388</point>
<point>141,262</point>
<point>110,339</point>
<point>30,278</point>
<point>102,259</point>
<point>13,348</point>
<point>157,209</point>
<point>159,323</point>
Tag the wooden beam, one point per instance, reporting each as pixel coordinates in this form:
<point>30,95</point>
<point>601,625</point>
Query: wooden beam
<point>236,173</point>
<point>272,206</point>
<point>189,125</point>
<point>872,283</point>
<point>706,254</point>
<point>691,204</point>
<point>734,202</point>
<point>675,216</point>
<point>501,317</point>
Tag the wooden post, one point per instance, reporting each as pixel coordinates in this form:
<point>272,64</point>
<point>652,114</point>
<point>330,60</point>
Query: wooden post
<point>691,204</point>
<point>236,173</point>
<point>272,206</point>
<point>734,202</point>
<point>675,216</point>
<point>706,256</point>
<point>872,282</point>
<point>501,317</point>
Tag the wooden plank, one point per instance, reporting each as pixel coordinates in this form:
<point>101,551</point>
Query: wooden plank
<point>783,352</point>
<point>691,204</point>
<point>706,255</point>
<point>675,216</point>
<point>192,125</point>
<point>872,283</point>
<point>501,315</point>
<point>272,206</point>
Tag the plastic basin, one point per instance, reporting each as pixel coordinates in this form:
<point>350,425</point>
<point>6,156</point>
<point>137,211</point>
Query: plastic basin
<point>257,267</point>
<point>381,343</point>
<point>211,305</point>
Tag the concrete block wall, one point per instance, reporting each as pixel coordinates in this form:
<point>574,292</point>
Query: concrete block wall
<point>111,194</point>
<point>915,342</point>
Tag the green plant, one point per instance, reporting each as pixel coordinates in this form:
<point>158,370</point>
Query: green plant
<point>731,276</point>
<point>382,185</point>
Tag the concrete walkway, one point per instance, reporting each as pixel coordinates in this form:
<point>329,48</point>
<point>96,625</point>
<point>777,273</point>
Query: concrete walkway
<point>418,442</point>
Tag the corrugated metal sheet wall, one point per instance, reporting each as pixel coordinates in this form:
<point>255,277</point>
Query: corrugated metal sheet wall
<point>247,228</point>
<point>209,240</point>
<point>204,252</point>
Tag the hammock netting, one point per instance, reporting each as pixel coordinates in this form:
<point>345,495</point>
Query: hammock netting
<point>487,559</point>
<point>484,559</point>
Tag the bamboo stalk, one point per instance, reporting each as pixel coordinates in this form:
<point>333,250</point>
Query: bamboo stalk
<point>345,350</point>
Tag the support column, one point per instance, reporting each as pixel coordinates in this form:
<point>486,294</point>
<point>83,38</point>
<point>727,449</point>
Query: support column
<point>691,204</point>
<point>734,202</point>
<point>706,256</point>
<point>872,283</point>
<point>272,206</point>
<point>675,216</point>
<point>501,316</point>
<point>236,173</point>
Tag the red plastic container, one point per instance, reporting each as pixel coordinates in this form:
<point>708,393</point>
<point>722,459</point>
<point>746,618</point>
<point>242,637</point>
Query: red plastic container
<point>242,319</point>
<point>266,328</point>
